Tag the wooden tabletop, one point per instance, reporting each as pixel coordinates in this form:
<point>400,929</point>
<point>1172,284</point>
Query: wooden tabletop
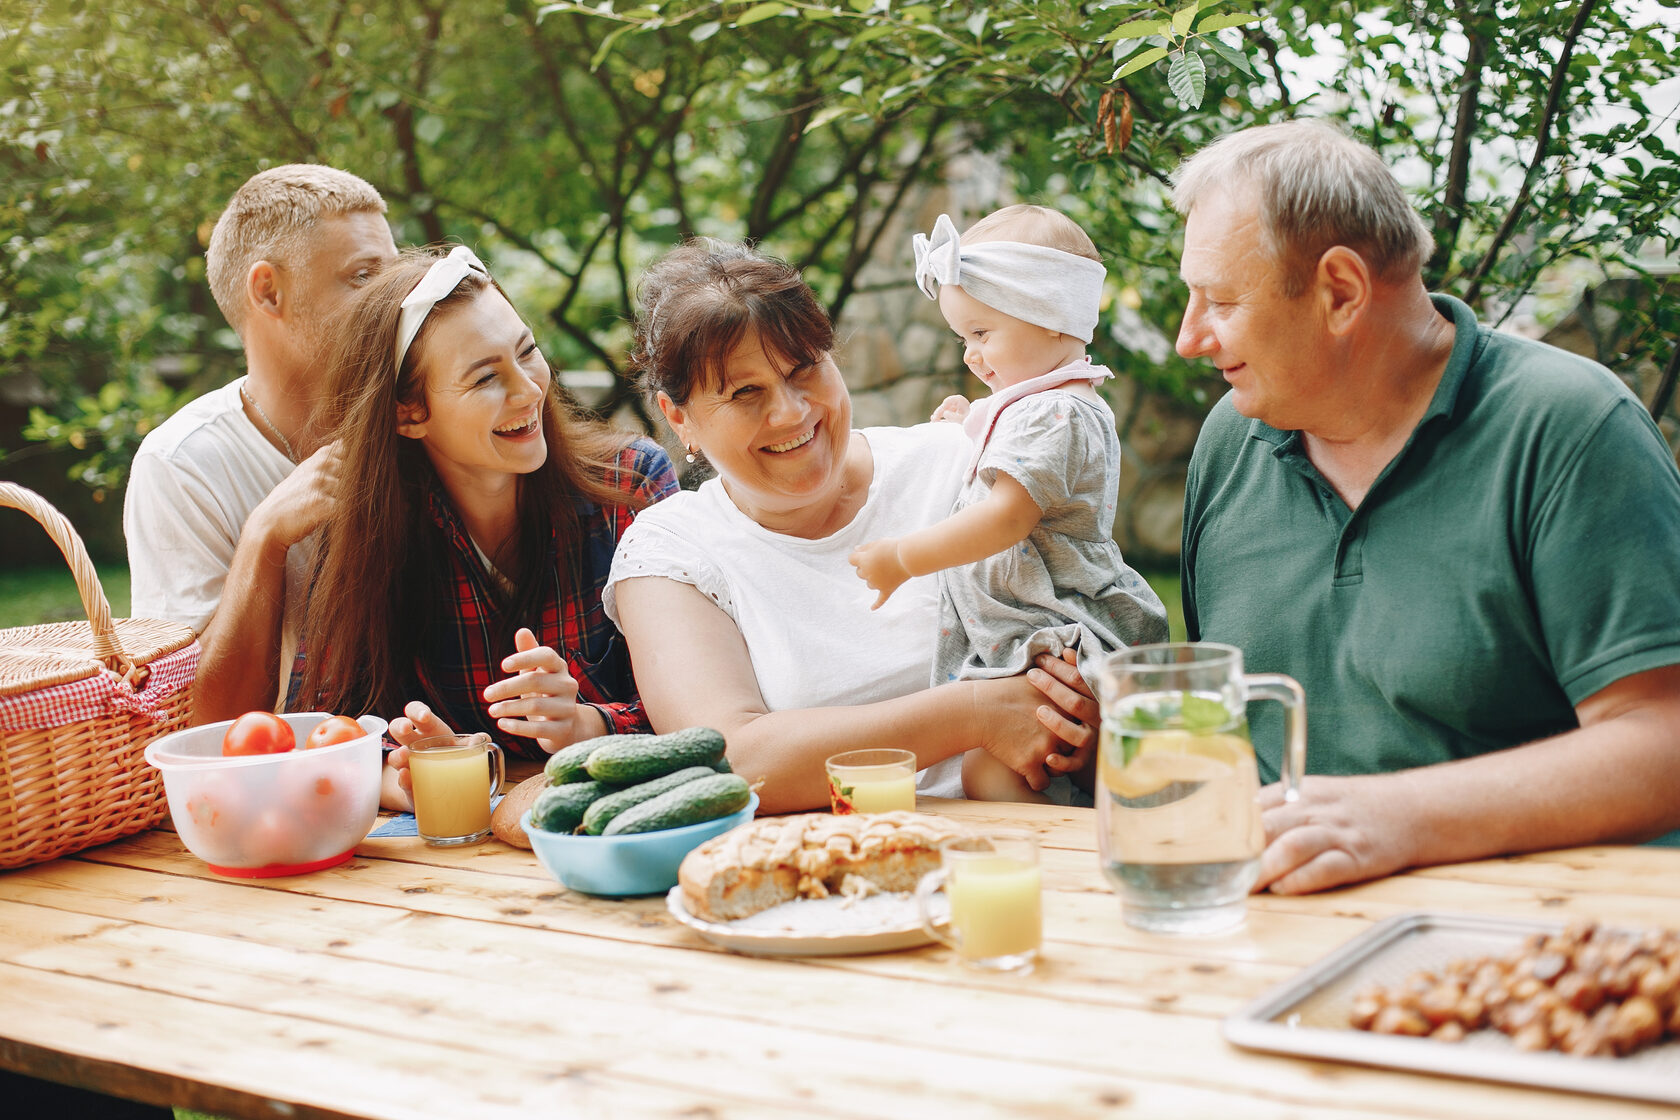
<point>418,982</point>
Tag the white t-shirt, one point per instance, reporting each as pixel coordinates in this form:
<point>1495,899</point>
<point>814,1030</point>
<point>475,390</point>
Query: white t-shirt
<point>800,605</point>
<point>195,480</point>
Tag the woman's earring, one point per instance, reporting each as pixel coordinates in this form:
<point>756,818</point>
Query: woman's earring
<point>690,455</point>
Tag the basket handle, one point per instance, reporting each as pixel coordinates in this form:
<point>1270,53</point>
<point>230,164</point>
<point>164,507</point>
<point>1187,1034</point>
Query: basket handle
<point>69,542</point>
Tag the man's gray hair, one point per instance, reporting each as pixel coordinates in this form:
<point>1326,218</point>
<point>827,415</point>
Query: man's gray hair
<point>1318,187</point>
<point>270,219</point>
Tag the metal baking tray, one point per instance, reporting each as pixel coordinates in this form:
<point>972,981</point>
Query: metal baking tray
<point>1308,1016</point>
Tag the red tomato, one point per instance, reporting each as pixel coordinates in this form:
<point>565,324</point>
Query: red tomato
<point>333,729</point>
<point>259,733</point>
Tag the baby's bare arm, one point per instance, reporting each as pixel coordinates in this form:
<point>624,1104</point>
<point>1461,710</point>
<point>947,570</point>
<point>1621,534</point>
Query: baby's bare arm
<point>1000,520</point>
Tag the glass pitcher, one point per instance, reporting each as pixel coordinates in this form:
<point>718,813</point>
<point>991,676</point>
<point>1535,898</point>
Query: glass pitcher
<point>1177,822</point>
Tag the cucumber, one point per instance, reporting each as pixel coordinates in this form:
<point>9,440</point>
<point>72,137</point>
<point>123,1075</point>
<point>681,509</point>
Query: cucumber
<point>627,759</point>
<point>602,811</point>
<point>722,766</point>
<point>567,763</point>
<point>561,808</point>
<point>703,799</point>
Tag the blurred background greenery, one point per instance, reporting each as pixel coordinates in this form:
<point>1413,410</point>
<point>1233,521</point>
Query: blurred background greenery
<point>48,594</point>
<point>572,142</point>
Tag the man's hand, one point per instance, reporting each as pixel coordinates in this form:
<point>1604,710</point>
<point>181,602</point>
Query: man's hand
<point>1073,714</point>
<point>540,700</point>
<point>1340,830</point>
<point>953,408</point>
<point>878,563</point>
<point>304,499</point>
<point>1041,723</point>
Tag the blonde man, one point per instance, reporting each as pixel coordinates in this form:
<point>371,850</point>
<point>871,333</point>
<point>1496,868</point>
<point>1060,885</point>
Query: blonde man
<point>222,491</point>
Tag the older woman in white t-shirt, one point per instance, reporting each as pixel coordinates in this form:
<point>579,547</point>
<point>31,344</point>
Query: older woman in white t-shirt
<point>740,607</point>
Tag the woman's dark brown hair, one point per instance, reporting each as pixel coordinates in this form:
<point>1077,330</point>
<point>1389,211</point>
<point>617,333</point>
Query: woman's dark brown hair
<point>700,299</point>
<point>382,577</point>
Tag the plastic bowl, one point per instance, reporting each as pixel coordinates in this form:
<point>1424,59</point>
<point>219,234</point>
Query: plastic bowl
<point>254,816</point>
<point>638,863</point>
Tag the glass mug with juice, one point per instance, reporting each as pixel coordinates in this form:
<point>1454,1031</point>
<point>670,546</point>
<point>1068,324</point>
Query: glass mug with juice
<point>995,890</point>
<point>451,775</point>
<point>871,781</point>
<point>1177,821</point>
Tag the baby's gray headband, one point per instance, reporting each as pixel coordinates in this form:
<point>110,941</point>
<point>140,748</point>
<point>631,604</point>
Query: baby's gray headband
<point>1034,283</point>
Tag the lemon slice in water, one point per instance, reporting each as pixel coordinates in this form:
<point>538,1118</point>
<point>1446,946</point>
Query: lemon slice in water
<point>1165,757</point>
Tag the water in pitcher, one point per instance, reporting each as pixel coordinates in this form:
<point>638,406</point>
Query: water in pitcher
<point>1179,828</point>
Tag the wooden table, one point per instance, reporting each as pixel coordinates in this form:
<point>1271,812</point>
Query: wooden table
<point>414,982</point>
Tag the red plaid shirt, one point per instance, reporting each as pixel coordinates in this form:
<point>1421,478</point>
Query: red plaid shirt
<point>452,674</point>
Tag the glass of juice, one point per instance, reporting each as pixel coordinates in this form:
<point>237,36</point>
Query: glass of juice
<point>995,891</point>
<point>1178,825</point>
<point>454,778</point>
<point>872,781</point>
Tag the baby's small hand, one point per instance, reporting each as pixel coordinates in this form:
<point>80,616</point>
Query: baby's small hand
<point>878,563</point>
<point>953,408</point>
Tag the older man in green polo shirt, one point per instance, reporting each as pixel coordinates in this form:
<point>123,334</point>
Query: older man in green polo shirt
<point>1464,545</point>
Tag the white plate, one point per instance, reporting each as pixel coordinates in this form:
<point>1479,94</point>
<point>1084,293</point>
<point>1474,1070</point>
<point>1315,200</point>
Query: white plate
<point>818,927</point>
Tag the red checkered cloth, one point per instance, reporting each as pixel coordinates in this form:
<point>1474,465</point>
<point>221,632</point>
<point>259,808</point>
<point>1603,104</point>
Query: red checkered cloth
<point>92,697</point>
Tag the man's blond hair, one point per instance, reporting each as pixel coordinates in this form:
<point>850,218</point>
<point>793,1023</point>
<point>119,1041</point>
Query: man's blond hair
<point>270,219</point>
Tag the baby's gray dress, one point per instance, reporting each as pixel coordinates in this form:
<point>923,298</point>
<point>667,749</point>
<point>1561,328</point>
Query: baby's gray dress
<point>1066,584</point>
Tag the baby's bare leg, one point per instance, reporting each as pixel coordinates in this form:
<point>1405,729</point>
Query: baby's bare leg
<point>987,779</point>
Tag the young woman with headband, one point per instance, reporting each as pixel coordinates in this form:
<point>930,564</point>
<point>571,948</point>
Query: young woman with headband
<point>462,565</point>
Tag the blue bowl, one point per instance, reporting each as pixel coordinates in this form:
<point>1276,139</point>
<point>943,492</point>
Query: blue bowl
<point>637,863</point>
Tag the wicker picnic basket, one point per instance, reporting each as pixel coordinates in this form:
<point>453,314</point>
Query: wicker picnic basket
<point>79,701</point>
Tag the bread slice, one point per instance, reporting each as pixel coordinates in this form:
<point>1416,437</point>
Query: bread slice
<point>778,859</point>
<point>504,822</point>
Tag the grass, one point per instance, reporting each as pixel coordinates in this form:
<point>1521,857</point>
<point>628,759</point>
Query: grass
<point>48,594</point>
<point>1167,587</point>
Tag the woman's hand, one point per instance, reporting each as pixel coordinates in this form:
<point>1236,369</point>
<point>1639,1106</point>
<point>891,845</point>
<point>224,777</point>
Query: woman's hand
<point>396,786</point>
<point>540,700</point>
<point>879,565</point>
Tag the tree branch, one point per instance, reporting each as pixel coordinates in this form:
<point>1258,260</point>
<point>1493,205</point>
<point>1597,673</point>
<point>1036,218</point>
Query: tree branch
<point>402,119</point>
<point>862,253</point>
<point>1553,96</point>
<point>846,170</point>
<point>1449,218</point>
<point>305,144</point>
<point>1269,48</point>
<point>790,137</point>
<point>562,108</point>
<point>1664,396</point>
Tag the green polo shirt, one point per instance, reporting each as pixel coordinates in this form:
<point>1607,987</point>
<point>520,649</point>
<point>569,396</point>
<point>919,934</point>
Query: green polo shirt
<point>1520,553</point>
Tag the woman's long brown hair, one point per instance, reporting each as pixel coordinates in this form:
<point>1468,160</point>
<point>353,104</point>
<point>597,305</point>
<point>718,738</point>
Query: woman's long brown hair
<point>382,574</point>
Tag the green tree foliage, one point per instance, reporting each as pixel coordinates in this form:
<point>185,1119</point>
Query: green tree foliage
<point>573,142</point>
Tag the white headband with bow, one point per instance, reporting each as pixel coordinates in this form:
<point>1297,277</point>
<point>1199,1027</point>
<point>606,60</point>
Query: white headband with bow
<point>1034,283</point>
<point>439,281</point>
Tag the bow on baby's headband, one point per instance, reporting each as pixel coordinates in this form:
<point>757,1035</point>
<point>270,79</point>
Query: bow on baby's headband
<point>438,282</point>
<point>1034,283</point>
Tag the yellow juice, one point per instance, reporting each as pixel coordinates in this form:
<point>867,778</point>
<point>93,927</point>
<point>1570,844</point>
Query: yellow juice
<point>451,791</point>
<point>883,795</point>
<point>996,908</point>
